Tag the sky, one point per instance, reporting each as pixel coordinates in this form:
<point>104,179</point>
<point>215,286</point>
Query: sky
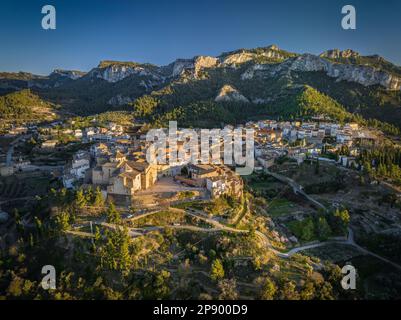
<point>160,31</point>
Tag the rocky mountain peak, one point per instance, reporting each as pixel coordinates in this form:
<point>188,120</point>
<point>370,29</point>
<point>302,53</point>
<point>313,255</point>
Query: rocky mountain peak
<point>337,53</point>
<point>72,74</point>
<point>273,47</point>
<point>193,66</point>
<point>114,71</point>
<point>365,75</point>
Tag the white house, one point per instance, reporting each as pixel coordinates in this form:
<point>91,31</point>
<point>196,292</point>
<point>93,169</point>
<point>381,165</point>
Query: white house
<point>77,169</point>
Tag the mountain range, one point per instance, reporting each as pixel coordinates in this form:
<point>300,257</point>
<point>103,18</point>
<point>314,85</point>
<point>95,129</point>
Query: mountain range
<point>232,87</point>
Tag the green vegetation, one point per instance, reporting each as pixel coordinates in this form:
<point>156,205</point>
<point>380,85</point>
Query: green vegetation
<point>108,63</point>
<point>185,195</point>
<point>371,105</point>
<point>102,119</point>
<point>222,205</point>
<point>114,250</point>
<point>321,226</point>
<point>383,161</point>
<point>192,103</point>
<point>24,105</point>
<point>217,270</point>
<point>386,245</point>
<point>280,206</point>
<point>311,102</point>
<point>112,215</point>
<point>190,100</point>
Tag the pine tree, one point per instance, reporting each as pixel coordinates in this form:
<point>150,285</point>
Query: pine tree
<point>112,215</point>
<point>80,198</point>
<point>98,201</point>
<point>323,228</point>
<point>268,290</point>
<point>217,270</point>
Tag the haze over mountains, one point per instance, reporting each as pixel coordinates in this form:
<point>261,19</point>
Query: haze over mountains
<point>234,86</point>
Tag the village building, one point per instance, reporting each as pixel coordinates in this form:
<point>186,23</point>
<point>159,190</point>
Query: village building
<point>49,144</point>
<point>122,178</point>
<point>76,170</point>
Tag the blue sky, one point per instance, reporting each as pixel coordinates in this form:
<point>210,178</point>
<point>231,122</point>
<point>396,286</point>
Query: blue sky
<point>159,31</point>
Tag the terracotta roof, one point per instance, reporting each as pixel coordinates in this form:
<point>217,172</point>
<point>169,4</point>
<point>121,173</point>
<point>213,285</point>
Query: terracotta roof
<point>130,174</point>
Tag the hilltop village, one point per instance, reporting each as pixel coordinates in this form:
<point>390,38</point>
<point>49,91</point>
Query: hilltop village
<point>89,183</point>
<point>112,157</point>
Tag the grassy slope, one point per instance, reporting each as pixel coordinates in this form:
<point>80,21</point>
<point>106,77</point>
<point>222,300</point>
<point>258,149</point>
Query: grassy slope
<point>23,105</point>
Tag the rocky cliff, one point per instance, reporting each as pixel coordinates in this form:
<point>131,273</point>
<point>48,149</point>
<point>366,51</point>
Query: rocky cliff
<point>117,71</point>
<point>245,55</point>
<point>71,74</point>
<point>337,54</point>
<point>192,66</point>
<point>362,74</point>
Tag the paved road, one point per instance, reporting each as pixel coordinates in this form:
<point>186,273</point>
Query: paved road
<point>297,188</point>
<point>349,241</point>
<point>218,227</point>
<point>10,150</point>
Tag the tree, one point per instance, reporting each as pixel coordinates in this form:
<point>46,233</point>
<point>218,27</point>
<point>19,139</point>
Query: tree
<point>112,215</point>
<point>63,221</point>
<point>339,221</point>
<point>308,291</point>
<point>155,285</point>
<point>268,290</point>
<point>89,195</point>
<point>228,289</point>
<point>98,201</point>
<point>15,287</point>
<point>80,198</point>
<point>39,224</point>
<point>288,291</point>
<point>325,291</point>
<point>115,253</point>
<point>97,235</point>
<point>217,270</point>
<point>323,228</point>
<point>308,230</point>
<point>317,167</point>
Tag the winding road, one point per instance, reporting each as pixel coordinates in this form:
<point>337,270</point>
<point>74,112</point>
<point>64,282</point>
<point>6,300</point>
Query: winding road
<point>297,188</point>
<point>218,227</point>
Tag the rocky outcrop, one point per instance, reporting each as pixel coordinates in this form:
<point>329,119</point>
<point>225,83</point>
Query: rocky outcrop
<point>228,93</point>
<point>180,65</point>
<point>238,58</point>
<point>242,56</point>
<point>204,62</point>
<point>71,74</point>
<point>362,74</point>
<point>117,72</point>
<point>119,100</point>
<point>193,66</point>
<point>337,54</point>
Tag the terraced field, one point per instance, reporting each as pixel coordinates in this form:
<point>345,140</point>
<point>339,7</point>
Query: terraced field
<point>16,189</point>
<point>23,186</point>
